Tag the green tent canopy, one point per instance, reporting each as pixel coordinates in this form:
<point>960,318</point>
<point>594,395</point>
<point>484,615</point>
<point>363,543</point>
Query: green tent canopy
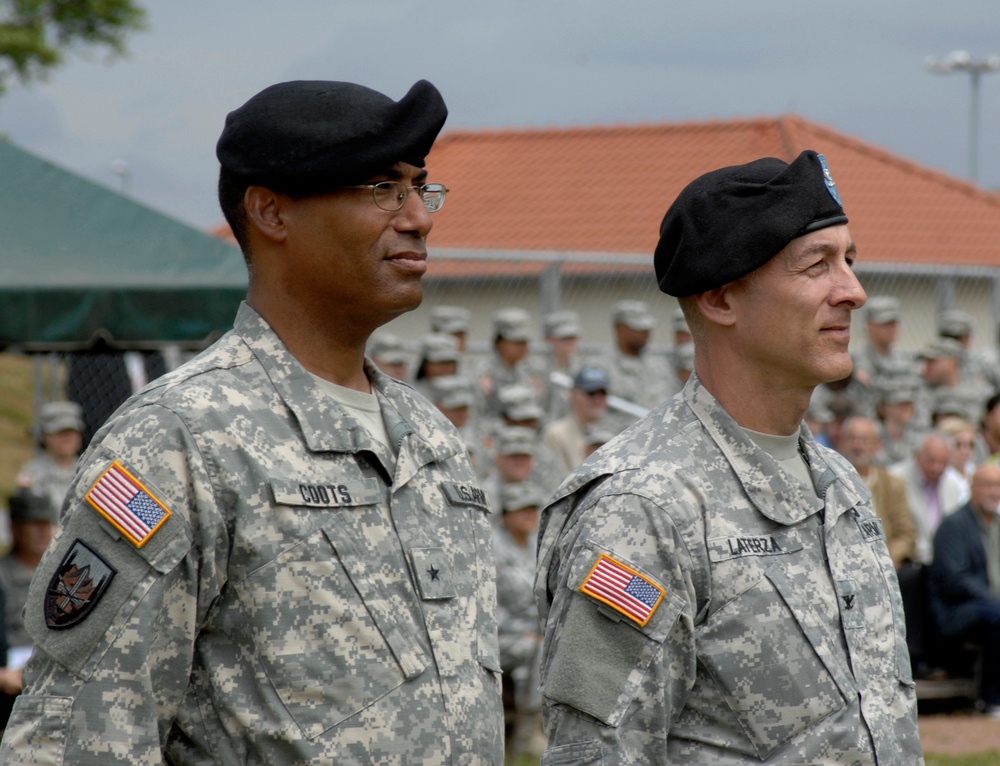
<point>82,265</point>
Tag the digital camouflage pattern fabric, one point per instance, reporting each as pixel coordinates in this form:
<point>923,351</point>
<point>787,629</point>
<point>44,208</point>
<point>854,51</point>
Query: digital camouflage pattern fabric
<point>779,634</point>
<point>308,597</point>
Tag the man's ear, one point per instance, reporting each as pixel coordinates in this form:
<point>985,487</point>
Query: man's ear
<point>716,305</point>
<point>264,212</point>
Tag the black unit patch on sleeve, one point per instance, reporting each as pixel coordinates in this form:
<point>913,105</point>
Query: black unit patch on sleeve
<point>78,584</point>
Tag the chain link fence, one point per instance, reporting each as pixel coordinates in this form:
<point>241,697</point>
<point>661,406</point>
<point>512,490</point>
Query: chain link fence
<point>486,281</point>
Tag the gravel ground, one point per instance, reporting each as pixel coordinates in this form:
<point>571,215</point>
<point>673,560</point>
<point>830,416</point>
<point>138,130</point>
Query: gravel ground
<point>959,733</point>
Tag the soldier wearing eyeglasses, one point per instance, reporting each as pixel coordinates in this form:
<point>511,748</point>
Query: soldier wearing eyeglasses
<point>714,586</point>
<point>278,554</point>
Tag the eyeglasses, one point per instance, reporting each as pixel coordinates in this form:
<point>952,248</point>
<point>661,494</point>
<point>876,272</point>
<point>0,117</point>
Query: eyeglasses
<point>391,195</point>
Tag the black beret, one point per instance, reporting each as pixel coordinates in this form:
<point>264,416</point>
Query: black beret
<point>731,221</point>
<point>314,135</point>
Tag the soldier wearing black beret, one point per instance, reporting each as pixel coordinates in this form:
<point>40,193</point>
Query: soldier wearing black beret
<point>714,585</point>
<point>278,553</point>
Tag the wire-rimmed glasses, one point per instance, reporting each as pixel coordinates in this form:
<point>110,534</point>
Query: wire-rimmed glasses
<point>391,195</point>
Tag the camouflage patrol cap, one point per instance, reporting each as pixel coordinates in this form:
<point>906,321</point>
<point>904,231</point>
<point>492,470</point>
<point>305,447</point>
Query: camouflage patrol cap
<point>512,324</point>
<point>679,322</point>
<point>516,440</point>
<point>26,505</point>
<point>387,348</point>
<point>561,324</point>
<point>633,314</point>
<point>732,221</point>
<point>60,416</point>
<point>939,348</point>
<point>882,309</point>
<point>520,495</point>
<point>452,391</point>
<point>519,402</point>
<point>311,136</point>
<point>449,319</point>
<point>439,347</point>
<point>901,390</point>
<point>684,356</point>
<point>955,324</point>
<point>947,401</point>
<point>595,435</point>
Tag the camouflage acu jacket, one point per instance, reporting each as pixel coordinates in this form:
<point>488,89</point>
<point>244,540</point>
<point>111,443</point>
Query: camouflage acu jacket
<point>702,606</point>
<point>244,577</point>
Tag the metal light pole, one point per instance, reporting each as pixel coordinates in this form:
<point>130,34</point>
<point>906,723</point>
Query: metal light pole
<point>123,170</point>
<point>962,61</point>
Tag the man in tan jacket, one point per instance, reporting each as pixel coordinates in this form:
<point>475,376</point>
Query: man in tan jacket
<point>859,443</point>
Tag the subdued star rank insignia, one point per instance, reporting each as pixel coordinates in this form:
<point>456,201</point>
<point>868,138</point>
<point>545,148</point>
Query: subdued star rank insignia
<point>78,584</point>
<point>432,571</point>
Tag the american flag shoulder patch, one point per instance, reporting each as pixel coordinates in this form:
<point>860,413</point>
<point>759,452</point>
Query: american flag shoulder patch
<point>623,589</point>
<point>127,505</point>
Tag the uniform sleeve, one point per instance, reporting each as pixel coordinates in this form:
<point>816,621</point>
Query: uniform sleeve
<point>618,656</point>
<point>116,603</point>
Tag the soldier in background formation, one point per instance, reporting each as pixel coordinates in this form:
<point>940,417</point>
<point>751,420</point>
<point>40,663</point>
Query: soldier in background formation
<point>60,426</point>
<point>517,618</point>
<point>33,516</point>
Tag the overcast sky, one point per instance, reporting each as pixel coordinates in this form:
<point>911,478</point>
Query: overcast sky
<point>856,66</point>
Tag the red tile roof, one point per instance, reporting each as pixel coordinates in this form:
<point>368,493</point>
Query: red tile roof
<point>605,190</point>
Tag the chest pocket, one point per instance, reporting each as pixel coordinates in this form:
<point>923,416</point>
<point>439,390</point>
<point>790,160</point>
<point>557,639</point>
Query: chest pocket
<point>769,655</point>
<point>335,621</point>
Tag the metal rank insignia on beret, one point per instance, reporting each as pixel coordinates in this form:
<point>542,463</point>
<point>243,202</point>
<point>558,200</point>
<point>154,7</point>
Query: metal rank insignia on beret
<point>623,589</point>
<point>124,502</point>
<point>831,185</point>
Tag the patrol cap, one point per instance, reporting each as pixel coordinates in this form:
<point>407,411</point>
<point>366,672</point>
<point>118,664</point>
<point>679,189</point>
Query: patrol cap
<point>512,324</point>
<point>732,221</point>
<point>939,348</point>
<point>452,391</point>
<point>899,391</point>
<point>387,348</point>
<point>819,413</point>
<point>561,324</point>
<point>516,440</point>
<point>882,309</point>
<point>633,314</point>
<point>946,401</point>
<point>519,495</point>
<point>60,416</point>
<point>26,505</point>
<point>955,324</point>
<point>449,319</point>
<point>595,435</point>
<point>439,347</point>
<point>518,402</point>
<point>591,379</point>
<point>684,356</point>
<point>311,136</point>
<point>678,321</point>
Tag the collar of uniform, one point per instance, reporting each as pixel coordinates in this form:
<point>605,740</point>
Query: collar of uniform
<point>319,417</point>
<point>843,489</point>
<point>431,437</point>
<point>772,491</point>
